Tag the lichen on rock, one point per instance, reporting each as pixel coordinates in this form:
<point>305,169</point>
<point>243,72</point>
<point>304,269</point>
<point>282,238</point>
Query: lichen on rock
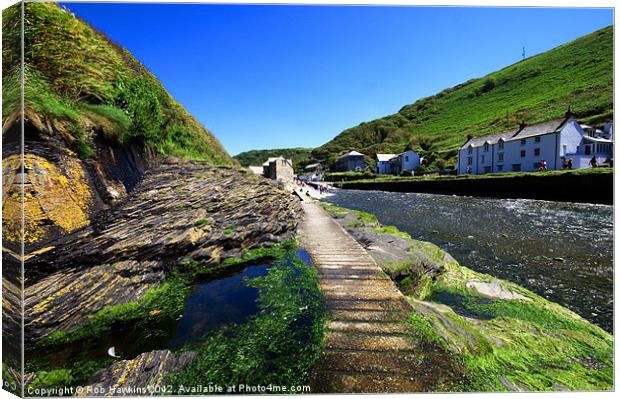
<point>55,195</point>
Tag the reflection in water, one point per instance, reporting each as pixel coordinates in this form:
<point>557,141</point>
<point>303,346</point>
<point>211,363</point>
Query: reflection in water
<point>562,251</point>
<point>211,306</point>
<point>218,304</point>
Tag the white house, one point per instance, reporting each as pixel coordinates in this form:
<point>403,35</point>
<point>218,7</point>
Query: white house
<point>523,149</point>
<point>397,163</point>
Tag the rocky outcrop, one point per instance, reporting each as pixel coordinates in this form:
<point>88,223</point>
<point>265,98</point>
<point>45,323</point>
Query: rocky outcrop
<point>180,211</point>
<point>143,375</point>
<point>62,191</point>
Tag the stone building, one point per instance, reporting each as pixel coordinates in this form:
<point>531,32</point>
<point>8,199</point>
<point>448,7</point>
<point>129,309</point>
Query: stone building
<point>278,168</point>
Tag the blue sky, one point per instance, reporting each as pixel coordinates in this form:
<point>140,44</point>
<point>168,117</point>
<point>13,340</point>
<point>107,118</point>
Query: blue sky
<point>296,76</point>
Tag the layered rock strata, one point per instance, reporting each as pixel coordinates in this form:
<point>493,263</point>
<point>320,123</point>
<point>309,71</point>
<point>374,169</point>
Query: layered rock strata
<point>180,211</point>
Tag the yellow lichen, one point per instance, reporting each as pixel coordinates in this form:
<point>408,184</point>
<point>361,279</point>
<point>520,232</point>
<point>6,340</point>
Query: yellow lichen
<point>55,194</point>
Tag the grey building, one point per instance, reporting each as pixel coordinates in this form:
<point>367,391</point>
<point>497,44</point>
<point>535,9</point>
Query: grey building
<point>352,161</point>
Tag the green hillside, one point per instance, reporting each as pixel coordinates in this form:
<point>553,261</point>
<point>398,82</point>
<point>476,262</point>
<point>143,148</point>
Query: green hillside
<point>85,87</point>
<point>540,88</point>
<point>299,156</point>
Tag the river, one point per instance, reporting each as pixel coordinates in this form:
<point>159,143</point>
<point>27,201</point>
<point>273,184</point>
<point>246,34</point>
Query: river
<point>562,251</point>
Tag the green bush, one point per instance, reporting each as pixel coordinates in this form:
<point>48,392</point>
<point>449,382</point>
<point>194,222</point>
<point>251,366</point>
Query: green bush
<point>138,97</point>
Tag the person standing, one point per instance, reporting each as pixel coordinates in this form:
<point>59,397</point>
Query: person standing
<point>594,161</point>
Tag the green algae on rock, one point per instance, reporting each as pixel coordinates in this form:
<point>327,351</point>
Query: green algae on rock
<point>507,337</point>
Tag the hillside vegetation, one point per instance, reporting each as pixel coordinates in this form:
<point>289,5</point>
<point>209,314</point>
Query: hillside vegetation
<point>299,156</point>
<point>82,86</point>
<point>539,88</point>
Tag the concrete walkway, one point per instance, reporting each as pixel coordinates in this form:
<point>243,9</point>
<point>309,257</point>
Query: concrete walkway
<point>367,349</point>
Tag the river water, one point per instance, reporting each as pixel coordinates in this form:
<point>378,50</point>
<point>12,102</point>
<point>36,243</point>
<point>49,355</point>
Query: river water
<point>562,251</point>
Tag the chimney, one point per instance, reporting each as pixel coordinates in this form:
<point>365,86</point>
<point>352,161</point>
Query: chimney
<point>569,113</point>
<point>522,125</point>
<point>470,136</point>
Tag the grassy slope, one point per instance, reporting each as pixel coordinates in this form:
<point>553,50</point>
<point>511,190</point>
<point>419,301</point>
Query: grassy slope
<point>504,344</point>
<point>299,156</point>
<point>82,85</point>
<point>537,89</point>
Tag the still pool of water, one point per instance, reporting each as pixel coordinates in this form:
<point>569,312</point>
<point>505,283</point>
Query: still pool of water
<point>562,251</point>
<point>211,306</point>
<point>217,305</point>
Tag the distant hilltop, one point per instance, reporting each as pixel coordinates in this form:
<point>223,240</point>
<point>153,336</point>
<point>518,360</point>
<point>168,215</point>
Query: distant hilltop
<point>578,74</point>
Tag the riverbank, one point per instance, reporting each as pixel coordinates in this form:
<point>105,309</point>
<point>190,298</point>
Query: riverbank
<point>507,337</point>
<point>579,185</point>
<point>562,251</point>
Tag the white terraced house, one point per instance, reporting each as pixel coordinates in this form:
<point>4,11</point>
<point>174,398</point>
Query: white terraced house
<point>524,148</point>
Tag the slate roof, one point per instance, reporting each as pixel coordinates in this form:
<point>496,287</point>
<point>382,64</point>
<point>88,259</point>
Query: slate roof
<point>541,128</point>
<point>385,157</point>
<point>491,138</point>
<point>350,154</point>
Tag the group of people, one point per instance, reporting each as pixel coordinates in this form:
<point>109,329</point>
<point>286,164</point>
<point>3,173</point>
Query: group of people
<point>567,163</point>
<point>322,188</point>
<point>542,165</point>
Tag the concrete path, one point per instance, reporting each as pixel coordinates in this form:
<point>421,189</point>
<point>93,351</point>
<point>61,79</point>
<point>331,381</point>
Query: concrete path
<point>367,349</point>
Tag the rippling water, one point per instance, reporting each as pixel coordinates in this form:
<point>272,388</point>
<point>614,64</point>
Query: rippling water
<point>562,251</point>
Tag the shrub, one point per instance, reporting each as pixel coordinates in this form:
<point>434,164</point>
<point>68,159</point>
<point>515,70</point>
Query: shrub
<point>138,97</point>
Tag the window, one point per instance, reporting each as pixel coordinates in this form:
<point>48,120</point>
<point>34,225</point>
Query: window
<point>563,149</point>
<point>537,139</point>
<point>487,169</point>
<point>482,158</point>
<point>486,147</point>
<point>603,148</point>
<point>523,141</point>
<point>469,161</point>
<point>500,168</point>
<point>406,158</point>
<point>536,165</point>
<point>500,157</point>
<point>522,153</point>
<point>469,150</point>
<point>500,144</point>
<point>536,152</point>
<point>516,167</point>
